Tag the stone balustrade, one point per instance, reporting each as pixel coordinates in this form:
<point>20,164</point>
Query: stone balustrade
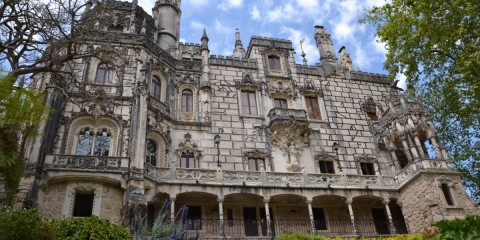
<point>423,164</point>
<point>53,161</point>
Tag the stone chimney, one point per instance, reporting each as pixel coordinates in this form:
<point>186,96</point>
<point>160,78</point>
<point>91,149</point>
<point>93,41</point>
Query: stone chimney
<point>345,59</point>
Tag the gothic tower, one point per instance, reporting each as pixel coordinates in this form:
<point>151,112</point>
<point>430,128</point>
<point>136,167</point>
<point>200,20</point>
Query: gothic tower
<point>167,20</point>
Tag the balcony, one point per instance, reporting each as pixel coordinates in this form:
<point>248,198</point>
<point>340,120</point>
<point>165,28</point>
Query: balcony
<point>291,118</point>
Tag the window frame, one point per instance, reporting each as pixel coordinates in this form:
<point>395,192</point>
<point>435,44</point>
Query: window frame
<point>257,164</point>
<point>149,155</point>
<point>367,168</point>
<point>94,145</point>
<point>274,63</point>
<point>79,207</point>
<point>323,163</point>
<point>447,194</point>
<point>247,98</point>
<point>280,103</point>
<point>188,157</point>
<point>187,100</point>
<point>313,111</point>
<point>156,88</point>
<point>106,76</point>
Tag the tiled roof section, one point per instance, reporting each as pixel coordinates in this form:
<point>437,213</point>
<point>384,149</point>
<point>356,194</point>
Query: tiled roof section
<point>232,62</point>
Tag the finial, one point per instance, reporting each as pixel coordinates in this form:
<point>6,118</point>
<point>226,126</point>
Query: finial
<point>204,40</point>
<point>303,53</point>
<point>239,51</point>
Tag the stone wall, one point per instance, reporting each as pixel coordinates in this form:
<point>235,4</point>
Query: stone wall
<point>112,202</point>
<point>51,199</point>
<point>423,202</point>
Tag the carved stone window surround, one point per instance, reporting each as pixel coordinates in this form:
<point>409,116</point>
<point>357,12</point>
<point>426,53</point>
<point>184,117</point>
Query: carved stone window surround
<point>366,159</point>
<point>82,187</point>
<point>158,139</point>
<point>256,154</point>
<point>324,156</point>
<point>188,116</point>
<point>188,147</point>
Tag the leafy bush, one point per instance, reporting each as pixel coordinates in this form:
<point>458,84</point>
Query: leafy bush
<point>91,228</point>
<point>302,236</point>
<point>25,225</point>
<point>398,237</point>
<point>459,229</point>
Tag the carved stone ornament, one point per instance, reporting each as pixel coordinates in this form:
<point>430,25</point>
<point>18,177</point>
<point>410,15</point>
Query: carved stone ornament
<point>188,146</point>
<point>368,105</point>
<point>291,140</point>
<point>280,86</point>
<point>247,82</point>
<point>324,156</point>
<point>98,102</point>
<point>310,89</point>
<point>365,158</point>
<point>142,88</point>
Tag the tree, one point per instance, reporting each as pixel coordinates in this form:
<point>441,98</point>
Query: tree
<point>436,45</point>
<point>37,37</point>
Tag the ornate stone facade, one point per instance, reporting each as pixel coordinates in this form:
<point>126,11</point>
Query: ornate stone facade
<point>323,149</point>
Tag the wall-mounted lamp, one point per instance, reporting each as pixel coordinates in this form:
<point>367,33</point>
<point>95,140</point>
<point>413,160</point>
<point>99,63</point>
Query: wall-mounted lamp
<point>216,141</point>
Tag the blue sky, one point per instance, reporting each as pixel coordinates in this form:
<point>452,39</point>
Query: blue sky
<point>285,19</point>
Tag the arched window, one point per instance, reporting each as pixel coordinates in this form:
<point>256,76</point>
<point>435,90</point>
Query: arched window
<point>104,74</point>
<point>151,154</point>
<point>187,160</point>
<point>156,88</point>
<point>85,142</point>
<point>187,100</point>
<point>87,139</point>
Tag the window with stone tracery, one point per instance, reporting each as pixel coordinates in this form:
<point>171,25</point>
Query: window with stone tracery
<point>151,153</point>
<point>187,100</point>
<point>100,142</point>
<point>187,160</point>
<point>104,75</point>
<point>155,88</point>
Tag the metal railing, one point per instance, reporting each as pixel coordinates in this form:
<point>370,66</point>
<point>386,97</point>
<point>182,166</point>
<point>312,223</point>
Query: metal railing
<point>231,228</point>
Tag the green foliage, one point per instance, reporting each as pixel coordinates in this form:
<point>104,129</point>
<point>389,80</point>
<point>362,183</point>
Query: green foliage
<point>18,224</point>
<point>459,229</point>
<point>302,236</point>
<point>91,228</point>
<point>436,45</point>
<point>21,110</point>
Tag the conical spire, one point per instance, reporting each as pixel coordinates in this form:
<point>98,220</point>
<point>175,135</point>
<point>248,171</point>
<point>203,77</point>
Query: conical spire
<point>204,40</point>
<point>239,52</point>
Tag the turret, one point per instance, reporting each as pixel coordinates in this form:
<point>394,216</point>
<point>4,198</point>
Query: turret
<point>239,52</point>
<point>324,44</point>
<point>345,59</point>
<point>167,20</point>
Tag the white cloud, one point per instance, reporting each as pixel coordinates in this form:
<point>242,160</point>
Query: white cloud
<point>147,5</point>
<point>228,4</point>
<point>195,3</point>
<point>220,28</point>
<point>285,13</point>
<point>403,80</point>
<point>197,27</point>
<point>309,47</point>
<point>379,46</point>
<point>255,13</point>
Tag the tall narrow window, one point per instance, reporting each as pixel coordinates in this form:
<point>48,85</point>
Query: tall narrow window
<point>447,194</point>
<point>104,74</point>
<point>249,103</point>
<point>102,143</point>
<point>402,158</point>
<point>155,88</point>
<point>280,103</point>
<point>367,168</point>
<point>187,100</point>
<point>274,63</point>
<point>187,160</point>
<point>326,166</point>
<point>151,155</point>
<point>83,205</point>
<point>313,109</point>
<point>255,164</point>
<point>85,141</point>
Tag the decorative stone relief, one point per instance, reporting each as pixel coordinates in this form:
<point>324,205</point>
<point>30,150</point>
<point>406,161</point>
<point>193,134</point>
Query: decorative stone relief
<point>188,146</point>
<point>259,154</point>
<point>279,86</point>
<point>291,141</point>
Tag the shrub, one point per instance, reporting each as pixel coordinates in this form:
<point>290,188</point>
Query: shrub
<point>25,225</point>
<point>91,228</point>
<point>459,229</point>
<point>302,236</point>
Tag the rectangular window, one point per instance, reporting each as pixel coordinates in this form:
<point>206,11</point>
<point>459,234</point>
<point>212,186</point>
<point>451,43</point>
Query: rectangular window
<point>249,103</point>
<point>319,219</point>
<point>274,63</point>
<point>155,89</point>
<point>255,164</point>
<point>83,205</point>
<point>367,168</point>
<point>313,109</point>
<point>447,194</point>
<point>187,161</point>
<point>280,103</point>
<point>326,166</point>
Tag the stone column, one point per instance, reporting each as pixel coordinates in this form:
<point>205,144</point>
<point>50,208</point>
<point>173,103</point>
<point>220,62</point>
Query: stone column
<point>352,217</point>
<point>436,147</point>
<point>390,220</point>
<point>310,214</point>
<point>393,156</point>
<point>403,139</point>
<point>413,148</point>
<point>419,147</point>
<point>220,215</point>
<point>267,216</point>
<point>172,208</point>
